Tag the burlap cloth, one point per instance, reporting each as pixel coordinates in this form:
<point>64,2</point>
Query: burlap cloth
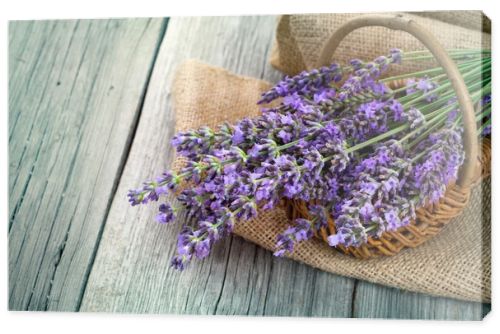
<point>456,263</point>
<point>300,38</point>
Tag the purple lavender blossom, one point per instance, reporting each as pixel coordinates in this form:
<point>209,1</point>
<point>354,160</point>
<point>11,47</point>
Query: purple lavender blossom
<point>415,117</point>
<point>166,214</point>
<point>349,232</point>
<point>486,100</point>
<point>324,95</point>
<point>356,64</point>
<point>486,131</point>
<point>304,83</point>
<point>371,201</point>
<point>397,109</point>
<point>363,78</point>
<point>152,190</point>
<point>424,85</point>
<point>451,117</point>
<point>291,236</point>
<point>369,119</point>
<point>438,167</point>
<point>320,214</point>
<point>396,56</point>
<point>238,136</point>
<point>309,148</point>
<point>194,142</point>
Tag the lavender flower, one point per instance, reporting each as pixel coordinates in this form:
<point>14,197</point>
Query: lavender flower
<point>439,165</point>
<point>326,144</point>
<point>486,100</point>
<point>166,214</point>
<point>369,119</point>
<point>291,236</point>
<point>320,214</point>
<point>304,83</point>
<point>372,200</point>
<point>152,190</point>
<point>323,96</point>
<point>424,85</point>
<point>415,118</point>
<point>396,55</point>
<point>486,131</point>
<point>363,79</point>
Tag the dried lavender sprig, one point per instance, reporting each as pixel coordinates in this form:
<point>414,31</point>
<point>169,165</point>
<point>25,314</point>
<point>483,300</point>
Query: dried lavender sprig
<point>427,94</point>
<point>430,89</point>
<point>439,163</point>
<point>360,216</point>
<point>310,173</point>
<point>465,66</point>
<point>198,142</point>
<point>170,181</point>
<point>150,192</point>
<point>302,229</point>
<point>304,82</point>
<point>198,243</point>
<point>310,82</point>
<point>365,74</point>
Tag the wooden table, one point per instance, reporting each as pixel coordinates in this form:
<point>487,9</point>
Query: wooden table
<point>90,117</point>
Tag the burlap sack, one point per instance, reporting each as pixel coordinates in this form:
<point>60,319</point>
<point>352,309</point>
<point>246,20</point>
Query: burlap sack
<point>456,263</point>
<point>470,19</point>
<point>300,38</point>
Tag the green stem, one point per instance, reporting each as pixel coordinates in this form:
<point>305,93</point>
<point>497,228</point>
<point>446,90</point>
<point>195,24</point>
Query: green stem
<point>438,69</point>
<point>375,139</point>
<point>470,65</point>
<point>468,76</point>
<point>449,51</point>
<point>481,129</point>
<point>435,118</point>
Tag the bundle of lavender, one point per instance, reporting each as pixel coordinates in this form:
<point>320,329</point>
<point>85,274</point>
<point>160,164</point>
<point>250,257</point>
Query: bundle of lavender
<point>340,139</point>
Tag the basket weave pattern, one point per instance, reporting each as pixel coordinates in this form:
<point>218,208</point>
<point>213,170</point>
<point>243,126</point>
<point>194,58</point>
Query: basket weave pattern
<point>430,219</point>
<point>433,217</point>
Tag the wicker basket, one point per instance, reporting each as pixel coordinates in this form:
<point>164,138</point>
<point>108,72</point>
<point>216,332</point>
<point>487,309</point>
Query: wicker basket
<point>432,218</point>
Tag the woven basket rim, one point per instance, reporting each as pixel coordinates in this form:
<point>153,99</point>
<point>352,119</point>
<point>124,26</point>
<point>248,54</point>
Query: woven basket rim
<point>430,219</point>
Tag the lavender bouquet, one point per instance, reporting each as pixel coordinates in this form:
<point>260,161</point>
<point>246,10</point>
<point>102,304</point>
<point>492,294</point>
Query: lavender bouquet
<point>340,139</point>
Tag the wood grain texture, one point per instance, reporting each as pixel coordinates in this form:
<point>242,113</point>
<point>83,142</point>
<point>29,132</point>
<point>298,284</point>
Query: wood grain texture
<point>376,301</point>
<point>75,94</point>
<point>131,272</point>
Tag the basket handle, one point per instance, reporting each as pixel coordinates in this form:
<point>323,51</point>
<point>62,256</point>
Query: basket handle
<point>399,22</point>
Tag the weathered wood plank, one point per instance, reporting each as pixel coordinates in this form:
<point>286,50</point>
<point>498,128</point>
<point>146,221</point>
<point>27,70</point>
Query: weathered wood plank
<point>376,301</point>
<point>75,93</point>
<point>304,291</point>
<point>131,272</point>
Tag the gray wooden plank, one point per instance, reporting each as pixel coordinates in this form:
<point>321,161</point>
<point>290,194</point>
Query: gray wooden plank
<point>291,289</point>
<point>131,272</point>
<point>75,93</point>
<point>299,290</point>
<point>376,301</point>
